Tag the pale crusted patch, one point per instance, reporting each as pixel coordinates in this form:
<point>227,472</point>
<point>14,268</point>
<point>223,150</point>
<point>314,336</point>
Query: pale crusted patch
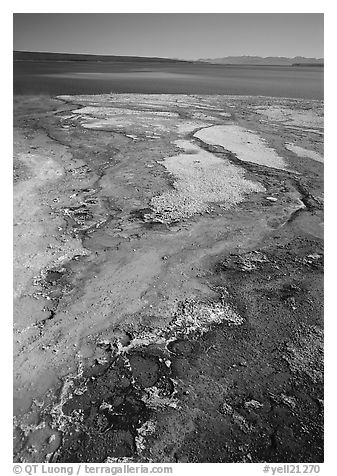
<point>154,399</point>
<point>61,421</point>
<point>302,118</point>
<point>301,152</point>
<point>147,429</point>
<point>247,145</point>
<point>199,316</point>
<point>201,178</point>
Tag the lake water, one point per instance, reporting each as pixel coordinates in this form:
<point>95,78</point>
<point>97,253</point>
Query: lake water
<point>53,78</point>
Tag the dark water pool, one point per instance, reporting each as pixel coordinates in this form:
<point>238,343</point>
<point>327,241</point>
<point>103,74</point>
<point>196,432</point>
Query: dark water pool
<point>52,78</point>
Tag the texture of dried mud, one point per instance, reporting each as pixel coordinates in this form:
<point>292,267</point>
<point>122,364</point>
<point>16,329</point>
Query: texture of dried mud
<point>168,280</point>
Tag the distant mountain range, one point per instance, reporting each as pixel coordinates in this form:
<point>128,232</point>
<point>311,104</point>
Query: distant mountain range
<point>235,60</point>
<point>269,60</point>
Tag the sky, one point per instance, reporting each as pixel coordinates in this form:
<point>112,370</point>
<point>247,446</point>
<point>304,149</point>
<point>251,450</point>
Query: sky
<point>177,35</point>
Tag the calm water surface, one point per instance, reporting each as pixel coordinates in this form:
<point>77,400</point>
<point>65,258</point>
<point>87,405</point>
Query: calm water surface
<point>63,77</point>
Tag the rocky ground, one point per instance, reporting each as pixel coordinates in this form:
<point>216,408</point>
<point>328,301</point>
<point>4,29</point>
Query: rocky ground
<point>168,285</point>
